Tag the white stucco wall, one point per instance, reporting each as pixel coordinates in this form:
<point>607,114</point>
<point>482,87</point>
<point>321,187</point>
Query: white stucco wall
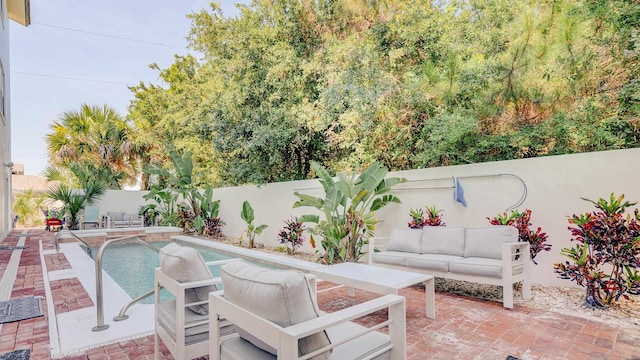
<point>555,186</point>
<point>5,129</point>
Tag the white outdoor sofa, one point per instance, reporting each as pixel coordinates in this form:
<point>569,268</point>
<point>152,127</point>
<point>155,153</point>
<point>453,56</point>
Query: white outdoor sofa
<point>122,219</point>
<point>276,316</point>
<point>487,255</point>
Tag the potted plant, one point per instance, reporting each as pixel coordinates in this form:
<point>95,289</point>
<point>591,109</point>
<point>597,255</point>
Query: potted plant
<point>291,235</point>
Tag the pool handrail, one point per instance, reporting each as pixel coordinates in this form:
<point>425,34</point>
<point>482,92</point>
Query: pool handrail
<point>99,291</point>
<point>123,312</point>
<point>59,233</point>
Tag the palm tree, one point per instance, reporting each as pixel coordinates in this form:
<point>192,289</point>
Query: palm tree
<point>74,201</point>
<point>94,139</point>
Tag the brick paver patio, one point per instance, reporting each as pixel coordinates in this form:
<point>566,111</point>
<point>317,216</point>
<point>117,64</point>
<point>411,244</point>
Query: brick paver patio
<point>465,328</point>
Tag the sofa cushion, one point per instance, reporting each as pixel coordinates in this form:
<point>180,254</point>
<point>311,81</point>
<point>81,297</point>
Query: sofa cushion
<point>477,266</point>
<point>185,264</point>
<point>406,240</point>
<point>131,216</point>
<point>434,262</point>
<point>280,296</point>
<point>391,257</point>
<point>486,242</point>
<point>442,240</point>
<point>116,215</point>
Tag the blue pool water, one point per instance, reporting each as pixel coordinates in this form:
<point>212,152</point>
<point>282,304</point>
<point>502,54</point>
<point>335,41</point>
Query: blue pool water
<point>132,265</point>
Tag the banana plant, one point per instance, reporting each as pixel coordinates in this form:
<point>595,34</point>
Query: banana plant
<point>247,215</point>
<point>348,209</point>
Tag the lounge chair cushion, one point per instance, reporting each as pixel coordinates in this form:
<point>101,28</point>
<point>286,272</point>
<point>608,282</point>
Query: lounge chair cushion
<point>185,264</point>
<point>406,240</point>
<point>486,242</point>
<point>280,296</point>
<point>442,240</point>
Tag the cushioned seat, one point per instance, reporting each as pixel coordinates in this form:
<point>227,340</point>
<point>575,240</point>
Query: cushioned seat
<point>391,258</point>
<point>276,315</point>
<point>435,262</point>
<point>236,348</point>
<point>478,266</point>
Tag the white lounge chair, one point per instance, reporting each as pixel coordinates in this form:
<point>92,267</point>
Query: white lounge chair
<point>183,322</point>
<point>276,316</point>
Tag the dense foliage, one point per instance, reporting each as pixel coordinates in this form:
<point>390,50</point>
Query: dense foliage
<point>606,258</point>
<point>408,83</point>
<point>91,144</point>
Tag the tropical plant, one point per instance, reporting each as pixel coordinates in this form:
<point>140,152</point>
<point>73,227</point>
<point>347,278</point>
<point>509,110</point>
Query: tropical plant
<point>606,258</point>
<point>247,215</point>
<point>26,206</point>
<point>96,139</point>
<point>417,218</point>
<point>208,223</point>
<point>348,208</point>
<point>522,221</point>
<point>149,214</point>
<point>170,185</point>
<point>291,234</point>
<point>434,217</point>
<point>187,219</point>
<point>74,201</point>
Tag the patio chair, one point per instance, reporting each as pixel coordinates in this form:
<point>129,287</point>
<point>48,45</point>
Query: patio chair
<point>182,322</point>
<point>91,216</point>
<point>276,316</point>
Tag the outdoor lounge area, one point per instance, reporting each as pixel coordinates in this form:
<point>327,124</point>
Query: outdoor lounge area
<point>464,328</point>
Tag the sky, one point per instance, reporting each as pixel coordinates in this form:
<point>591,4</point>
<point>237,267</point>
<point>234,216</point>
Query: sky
<point>59,62</point>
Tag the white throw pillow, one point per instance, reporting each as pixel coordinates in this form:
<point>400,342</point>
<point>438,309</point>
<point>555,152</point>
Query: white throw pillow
<point>185,264</point>
<point>406,240</point>
<point>280,296</point>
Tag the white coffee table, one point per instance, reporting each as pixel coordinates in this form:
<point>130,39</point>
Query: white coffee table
<point>378,280</point>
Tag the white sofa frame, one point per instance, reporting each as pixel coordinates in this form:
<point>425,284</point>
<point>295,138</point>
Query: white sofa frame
<point>516,267</point>
<point>285,339</point>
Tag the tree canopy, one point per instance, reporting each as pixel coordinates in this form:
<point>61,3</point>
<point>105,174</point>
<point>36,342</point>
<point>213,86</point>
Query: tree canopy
<point>409,83</point>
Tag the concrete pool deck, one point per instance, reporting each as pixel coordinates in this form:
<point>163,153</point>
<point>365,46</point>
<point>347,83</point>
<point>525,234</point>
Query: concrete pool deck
<point>465,328</point>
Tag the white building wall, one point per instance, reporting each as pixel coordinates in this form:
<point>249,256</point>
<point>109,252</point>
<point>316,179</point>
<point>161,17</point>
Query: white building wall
<point>5,129</point>
<point>555,186</point>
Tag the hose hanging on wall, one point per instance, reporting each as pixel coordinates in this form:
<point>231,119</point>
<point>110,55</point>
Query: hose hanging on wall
<point>457,188</point>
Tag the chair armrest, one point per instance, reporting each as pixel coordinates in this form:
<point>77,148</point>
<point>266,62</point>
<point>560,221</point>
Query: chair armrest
<point>515,255</point>
<point>285,339</point>
<point>174,286</point>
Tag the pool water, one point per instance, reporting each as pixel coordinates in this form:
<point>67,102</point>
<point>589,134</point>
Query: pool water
<point>132,266</point>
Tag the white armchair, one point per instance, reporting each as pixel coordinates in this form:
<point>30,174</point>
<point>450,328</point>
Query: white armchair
<point>275,313</point>
<point>182,322</point>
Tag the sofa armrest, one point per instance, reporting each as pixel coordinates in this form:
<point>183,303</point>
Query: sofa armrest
<point>377,242</point>
<point>285,339</point>
<point>516,263</point>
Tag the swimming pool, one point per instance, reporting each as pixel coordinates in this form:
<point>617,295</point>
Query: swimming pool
<point>132,265</point>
